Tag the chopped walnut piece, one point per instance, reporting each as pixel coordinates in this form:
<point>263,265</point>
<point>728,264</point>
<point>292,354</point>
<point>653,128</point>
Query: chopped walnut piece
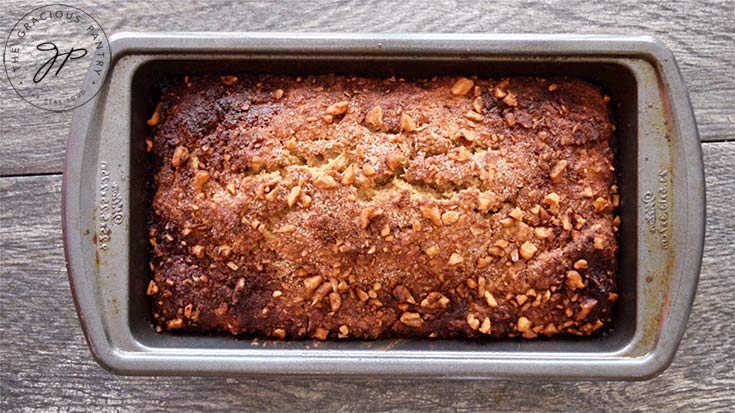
<point>543,233</point>
<point>198,251</point>
<point>412,319</point>
<point>566,223</point>
<point>230,187</point>
<point>432,251</point>
<point>156,116</point>
<point>339,108</point>
<point>277,293</point>
<point>240,284</point>
<point>279,333</point>
<point>460,154</point>
<point>510,99</point>
<point>435,300</point>
<point>496,251</point>
<point>368,170</point>
<point>472,321</point>
<point>574,280</point>
<point>588,193</point>
<point>585,308</point>
<point>321,292</point>
<point>385,231</point>
<point>553,87</point>
<point>473,116</point>
<point>221,309</point>
<point>501,243</point>
<point>485,327</point>
<point>374,117</point>
<point>490,299</point>
<point>462,86</point>
<point>231,265</point>
<point>477,104</point>
<point>228,80</point>
<point>549,330</point>
<point>523,324</point>
<point>180,155</point>
<point>528,250</point>
<point>395,160</point>
<point>328,118</point>
<point>200,179</point>
<point>188,310</point>
<point>579,222</point>
<point>599,243</point>
<point>499,91</point>
<point>321,333</point>
<point>402,294</point>
<point>293,195</point>
<point>521,299</point>
<point>485,201</point>
<point>174,324</point>
<point>432,213</point>
<point>224,250</point>
<point>152,288</point>
<point>312,283</point>
<point>600,204</point>
<point>278,93</point>
<point>581,265</point>
<point>455,259</point>
<point>552,200</point>
<point>348,176</point>
<point>516,214</point>
<point>367,214</point>
<point>465,134</point>
<point>335,301</point>
<point>558,170</point>
<point>362,295</point>
<point>407,123</point>
<point>325,182</point>
<point>450,217</point>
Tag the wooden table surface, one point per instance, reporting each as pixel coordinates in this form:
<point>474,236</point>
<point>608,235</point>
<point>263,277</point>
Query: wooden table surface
<point>46,365</point>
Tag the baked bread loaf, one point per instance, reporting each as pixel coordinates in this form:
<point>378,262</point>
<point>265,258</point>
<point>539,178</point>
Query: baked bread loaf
<point>334,207</point>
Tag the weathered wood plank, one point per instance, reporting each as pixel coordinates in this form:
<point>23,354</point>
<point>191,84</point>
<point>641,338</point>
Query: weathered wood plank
<point>46,363</point>
<point>701,34</point>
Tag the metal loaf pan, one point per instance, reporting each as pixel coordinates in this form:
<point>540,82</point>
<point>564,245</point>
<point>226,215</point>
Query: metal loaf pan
<point>660,175</point>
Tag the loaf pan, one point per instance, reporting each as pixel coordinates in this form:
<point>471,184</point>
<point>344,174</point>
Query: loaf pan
<point>661,181</point>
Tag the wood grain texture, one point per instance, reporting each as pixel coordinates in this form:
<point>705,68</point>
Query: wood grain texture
<point>701,35</point>
<point>46,364</point>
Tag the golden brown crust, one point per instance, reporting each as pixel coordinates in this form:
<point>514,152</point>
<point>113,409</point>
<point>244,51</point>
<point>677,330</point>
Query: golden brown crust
<point>338,207</point>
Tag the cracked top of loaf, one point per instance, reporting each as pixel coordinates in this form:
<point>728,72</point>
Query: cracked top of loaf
<point>346,207</point>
